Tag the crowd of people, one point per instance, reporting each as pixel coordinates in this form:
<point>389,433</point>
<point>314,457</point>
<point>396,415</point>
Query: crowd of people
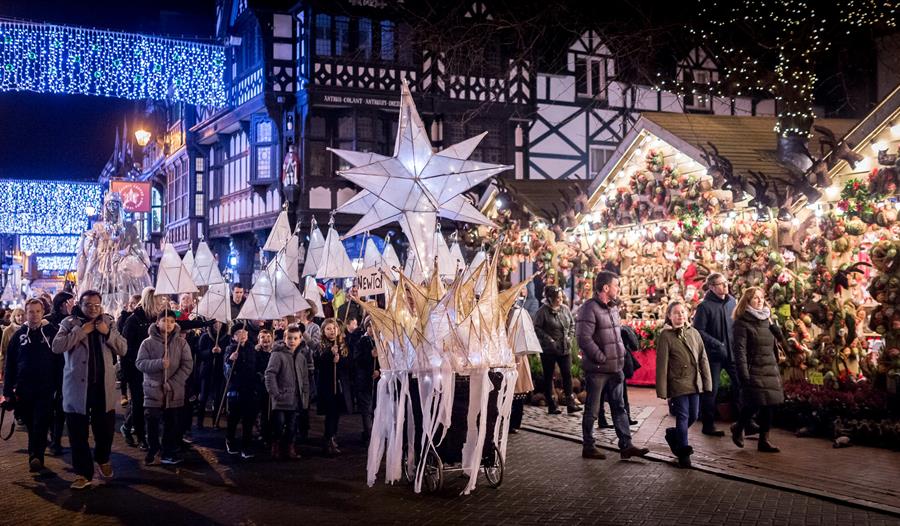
<point>67,365</point>
<point>723,334</point>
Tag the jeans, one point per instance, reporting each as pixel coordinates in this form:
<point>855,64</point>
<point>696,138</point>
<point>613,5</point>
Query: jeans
<point>169,418</point>
<point>265,418</point>
<point>36,413</point>
<point>595,384</point>
<point>283,427</point>
<point>549,363</point>
<point>687,409</point>
<point>708,399</point>
<point>603,400</point>
<point>242,410</point>
<point>134,417</point>
<point>102,424</point>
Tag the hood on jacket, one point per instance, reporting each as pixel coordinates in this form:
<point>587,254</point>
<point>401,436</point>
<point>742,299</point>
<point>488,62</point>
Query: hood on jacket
<point>282,347</point>
<point>712,296</point>
<point>156,334</point>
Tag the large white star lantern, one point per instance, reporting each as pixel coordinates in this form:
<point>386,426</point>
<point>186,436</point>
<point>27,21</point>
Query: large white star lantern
<point>416,185</point>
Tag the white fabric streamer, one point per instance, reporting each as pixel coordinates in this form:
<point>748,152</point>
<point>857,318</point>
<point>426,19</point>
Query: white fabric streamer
<point>504,408</point>
<point>382,423</point>
<point>479,390</point>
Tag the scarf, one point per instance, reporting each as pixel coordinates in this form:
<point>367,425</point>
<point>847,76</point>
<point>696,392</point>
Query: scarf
<point>760,314</point>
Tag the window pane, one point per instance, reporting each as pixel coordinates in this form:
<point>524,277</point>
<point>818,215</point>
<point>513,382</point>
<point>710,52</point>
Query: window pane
<point>345,127</point>
<point>404,45</point>
<point>581,81</point>
<point>364,128</point>
<point>387,40</point>
<point>596,77</point>
<point>264,162</point>
<point>341,35</point>
<point>264,131</point>
<point>365,38</point>
<point>318,159</point>
<point>323,35</point>
<point>199,164</point>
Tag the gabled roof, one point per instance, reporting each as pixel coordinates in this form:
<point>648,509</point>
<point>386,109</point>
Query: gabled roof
<point>748,142</point>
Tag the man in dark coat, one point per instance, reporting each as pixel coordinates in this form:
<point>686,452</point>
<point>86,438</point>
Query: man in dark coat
<point>30,378</point>
<point>714,323</point>
<point>554,327</point>
<point>599,333</point>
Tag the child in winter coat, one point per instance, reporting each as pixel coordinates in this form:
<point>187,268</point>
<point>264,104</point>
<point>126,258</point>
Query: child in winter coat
<point>263,352</point>
<point>288,386</point>
<point>240,368</point>
<point>333,363</point>
<point>165,360</point>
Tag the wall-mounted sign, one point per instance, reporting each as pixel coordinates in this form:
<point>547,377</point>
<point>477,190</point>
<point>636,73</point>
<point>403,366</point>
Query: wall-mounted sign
<point>135,195</point>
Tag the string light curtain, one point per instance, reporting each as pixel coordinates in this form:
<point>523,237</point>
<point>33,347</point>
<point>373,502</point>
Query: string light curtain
<point>55,59</point>
<point>48,244</point>
<point>46,207</point>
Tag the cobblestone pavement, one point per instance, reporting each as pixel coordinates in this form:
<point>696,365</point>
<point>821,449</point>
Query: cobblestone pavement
<point>866,476</point>
<point>546,481</point>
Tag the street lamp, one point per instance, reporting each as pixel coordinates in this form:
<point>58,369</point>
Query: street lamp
<point>142,137</point>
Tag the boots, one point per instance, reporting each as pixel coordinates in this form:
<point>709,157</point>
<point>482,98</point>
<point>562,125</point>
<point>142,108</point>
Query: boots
<point>737,435</point>
<point>684,456</point>
<point>292,452</point>
<point>572,406</point>
<point>764,445</point>
<point>276,450</point>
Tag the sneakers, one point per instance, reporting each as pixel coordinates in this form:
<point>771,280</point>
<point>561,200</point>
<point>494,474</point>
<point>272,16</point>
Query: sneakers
<point>80,483</point>
<point>170,460</point>
<point>632,451</point>
<point>35,465</point>
<point>126,434</point>
<point>592,452</point>
<point>187,438</point>
<point>151,459</point>
<point>230,448</point>
<point>105,470</point>
<point>247,454</point>
<point>143,445</point>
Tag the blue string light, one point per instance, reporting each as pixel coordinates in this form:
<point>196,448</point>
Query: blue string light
<point>55,263</point>
<point>44,244</point>
<point>46,207</point>
<point>56,59</point>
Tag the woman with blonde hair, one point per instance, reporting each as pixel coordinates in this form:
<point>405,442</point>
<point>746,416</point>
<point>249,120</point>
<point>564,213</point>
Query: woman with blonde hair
<point>16,319</point>
<point>757,366</point>
<point>682,374</point>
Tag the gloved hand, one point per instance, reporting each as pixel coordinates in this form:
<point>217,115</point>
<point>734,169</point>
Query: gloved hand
<point>8,404</point>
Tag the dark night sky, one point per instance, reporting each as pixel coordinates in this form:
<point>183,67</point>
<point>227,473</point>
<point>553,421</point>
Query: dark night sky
<point>72,136</point>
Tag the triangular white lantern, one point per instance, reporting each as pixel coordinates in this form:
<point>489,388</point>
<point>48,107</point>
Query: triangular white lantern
<point>477,260</point>
<point>261,303</point>
<point>188,261</point>
<point>390,261</point>
<point>445,264</point>
<point>173,278</point>
<point>371,255</point>
<point>206,270</point>
<point>314,250</point>
<point>313,293</point>
<point>216,303</point>
<point>522,337</point>
<point>287,297</point>
<point>335,262</point>
<point>280,233</point>
<point>456,255</point>
<point>289,259</point>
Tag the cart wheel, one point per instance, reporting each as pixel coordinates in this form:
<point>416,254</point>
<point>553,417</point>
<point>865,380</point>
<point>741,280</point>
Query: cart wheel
<point>433,479</point>
<point>493,469</point>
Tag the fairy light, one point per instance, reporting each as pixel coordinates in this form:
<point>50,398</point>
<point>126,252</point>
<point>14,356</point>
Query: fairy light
<point>55,59</point>
<point>48,244</point>
<point>45,207</point>
<point>786,38</point>
<point>55,263</point>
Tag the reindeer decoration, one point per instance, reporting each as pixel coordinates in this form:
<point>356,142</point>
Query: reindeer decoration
<point>722,172</point>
